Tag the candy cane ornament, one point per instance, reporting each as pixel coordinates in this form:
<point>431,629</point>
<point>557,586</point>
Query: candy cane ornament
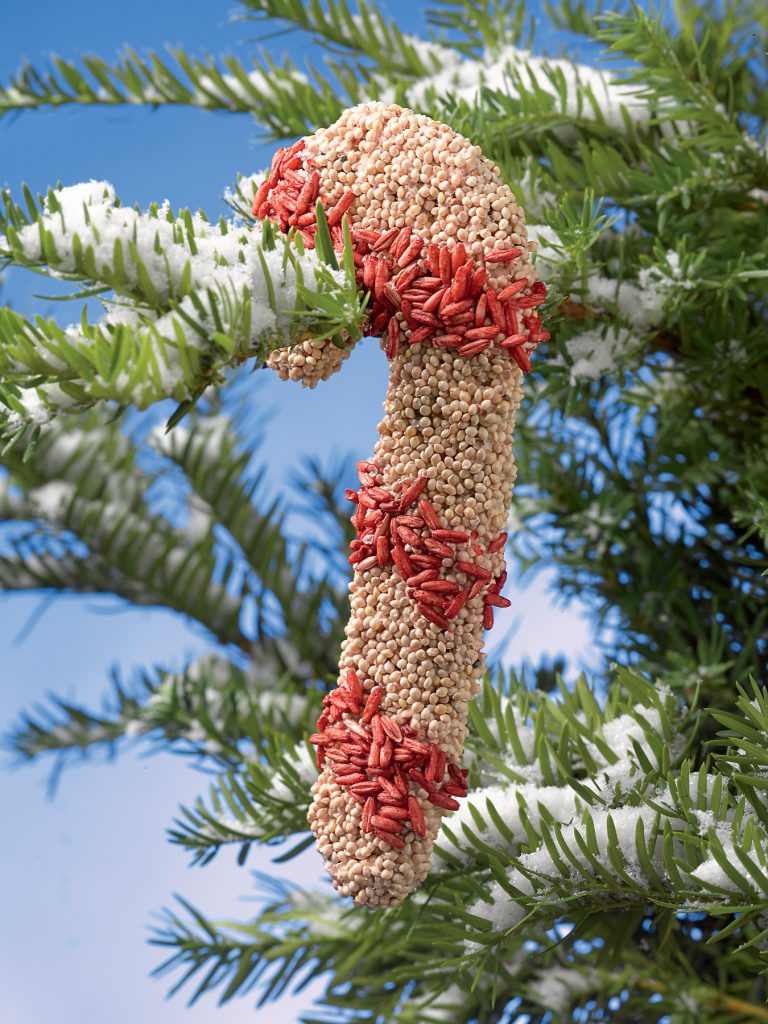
<point>440,244</point>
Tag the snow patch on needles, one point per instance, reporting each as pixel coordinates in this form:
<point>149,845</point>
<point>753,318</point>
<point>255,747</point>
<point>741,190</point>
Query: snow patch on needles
<point>254,86</point>
<point>638,306</point>
<point>665,277</point>
<point>622,735</point>
<point>505,912</point>
<point>200,522</point>
<point>220,260</point>
<point>89,193</point>
<point>557,988</point>
<point>51,500</point>
<point>303,763</point>
<point>512,71</point>
<point>34,407</point>
<point>192,297</point>
<point>712,875</point>
<point>597,352</point>
<point>549,247</point>
<point>641,305</point>
<point>508,802</point>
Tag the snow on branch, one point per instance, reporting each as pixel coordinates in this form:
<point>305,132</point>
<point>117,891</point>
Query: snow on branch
<point>575,92</point>
<point>265,801</point>
<point>656,831</point>
<point>187,299</point>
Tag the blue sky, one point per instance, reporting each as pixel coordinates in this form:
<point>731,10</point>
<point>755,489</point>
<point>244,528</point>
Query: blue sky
<point>83,873</point>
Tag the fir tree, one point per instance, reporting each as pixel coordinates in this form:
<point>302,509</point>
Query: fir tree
<point>613,853</point>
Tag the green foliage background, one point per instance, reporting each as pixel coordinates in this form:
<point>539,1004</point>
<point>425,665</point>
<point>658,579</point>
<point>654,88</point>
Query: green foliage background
<point>645,485</point>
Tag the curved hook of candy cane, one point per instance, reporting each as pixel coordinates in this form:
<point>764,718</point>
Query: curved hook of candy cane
<point>440,244</point>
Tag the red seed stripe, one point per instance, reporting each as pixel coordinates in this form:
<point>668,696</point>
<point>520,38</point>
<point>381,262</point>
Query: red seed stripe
<point>373,758</point>
<point>445,286</point>
<point>382,540</point>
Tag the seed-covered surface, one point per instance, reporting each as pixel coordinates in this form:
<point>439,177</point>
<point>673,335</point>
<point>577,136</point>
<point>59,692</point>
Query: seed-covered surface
<point>441,246</point>
<point>309,362</point>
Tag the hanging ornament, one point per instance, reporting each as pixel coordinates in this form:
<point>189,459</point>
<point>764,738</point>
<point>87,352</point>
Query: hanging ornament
<point>440,244</point>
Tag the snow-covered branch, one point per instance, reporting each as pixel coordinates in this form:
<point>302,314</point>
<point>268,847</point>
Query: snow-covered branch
<point>570,91</point>
<point>187,299</point>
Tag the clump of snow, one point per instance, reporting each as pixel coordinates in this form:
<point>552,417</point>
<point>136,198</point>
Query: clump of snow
<point>711,874</point>
<point>52,498</point>
<point>557,987</point>
<point>504,912</point>
<point>40,403</point>
<point>597,352</point>
<point>34,406</point>
<point>244,190</point>
<point>88,193</point>
<point>560,801</point>
<point>200,521</point>
<point>620,734</point>
<point>227,262</point>
<point>662,278</point>
<point>204,444</point>
<point>638,306</point>
<point>548,247</point>
<point>303,763</point>
<point>290,707</point>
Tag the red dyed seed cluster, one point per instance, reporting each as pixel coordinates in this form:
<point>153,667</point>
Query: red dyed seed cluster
<point>420,292</point>
<point>387,533</point>
<point>377,761</point>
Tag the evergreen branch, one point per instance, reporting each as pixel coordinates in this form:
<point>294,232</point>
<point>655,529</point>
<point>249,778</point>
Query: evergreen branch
<point>282,99</point>
<point>194,299</point>
<point>670,847</point>
<point>274,952</point>
<point>550,94</point>
<point>95,532</point>
<point>367,33</point>
<point>668,69</point>
<point>713,998</point>
<point>216,471</point>
<point>84,496</point>
<point>141,559</point>
<point>488,26</point>
<point>208,710</point>
<point>266,802</point>
<point>620,814</point>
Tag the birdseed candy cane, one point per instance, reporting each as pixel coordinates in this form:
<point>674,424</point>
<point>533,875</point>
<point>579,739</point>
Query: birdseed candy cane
<point>455,300</point>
